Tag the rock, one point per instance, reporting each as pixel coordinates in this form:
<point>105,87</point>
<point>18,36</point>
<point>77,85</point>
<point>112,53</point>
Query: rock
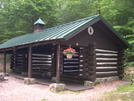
<point>54,87</point>
<point>88,83</point>
<point>2,75</point>
<point>107,79</point>
<point>29,81</point>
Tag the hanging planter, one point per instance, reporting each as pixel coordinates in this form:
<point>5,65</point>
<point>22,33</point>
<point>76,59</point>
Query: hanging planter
<point>69,56</point>
<point>69,52</point>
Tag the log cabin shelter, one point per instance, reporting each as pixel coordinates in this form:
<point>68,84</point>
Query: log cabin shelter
<point>98,45</point>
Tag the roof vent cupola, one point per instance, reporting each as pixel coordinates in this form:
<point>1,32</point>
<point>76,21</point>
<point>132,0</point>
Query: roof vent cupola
<point>39,26</point>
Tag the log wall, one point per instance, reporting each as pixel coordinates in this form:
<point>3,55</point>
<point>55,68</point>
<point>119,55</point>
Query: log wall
<point>120,63</point>
<point>106,63</point>
<point>42,63</point>
<point>83,66</point>
<point>88,62</point>
<point>18,62</point>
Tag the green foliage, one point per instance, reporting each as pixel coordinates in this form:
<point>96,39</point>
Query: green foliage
<point>76,9</point>
<point>17,16</point>
<point>123,93</point>
<point>96,83</point>
<point>125,88</point>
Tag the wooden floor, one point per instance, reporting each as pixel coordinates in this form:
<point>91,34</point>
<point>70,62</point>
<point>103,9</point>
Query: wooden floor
<point>47,81</point>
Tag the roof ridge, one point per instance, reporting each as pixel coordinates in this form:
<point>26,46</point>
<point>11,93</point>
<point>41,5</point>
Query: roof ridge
<point>71,22</point>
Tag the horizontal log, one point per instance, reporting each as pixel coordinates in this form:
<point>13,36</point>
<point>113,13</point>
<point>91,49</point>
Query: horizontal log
<point>106,60</point>
<point>88,72</point>
<point>105,54</point>
<point>91,48</point>
<point>103,50</point>
<point>70,60</point>
<point>106,75</point>
<point>91,58</point>
<point>120,54</point>
<point>42,55</point>
<point>120,62</point>
<point>99,56</point>
<point>92,78</point>
<point>72,80</point>
<point>120,67</point>
<point>41,64</point>
<point>92,53</point>
<point>106,69</point>
<point>71,66</point>
<point>120,58</point>
<point>85,75</point>
<point>71,76</point>
<point>106,65</point>
<point>92,68</point>
<point>70,71</point>
<point>120,71</point>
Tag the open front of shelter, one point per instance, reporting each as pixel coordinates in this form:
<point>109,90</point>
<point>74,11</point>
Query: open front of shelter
<point>99,51</point>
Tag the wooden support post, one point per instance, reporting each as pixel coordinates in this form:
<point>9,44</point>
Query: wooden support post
<point>58,64</point>
<point>30,61</point>
<point>4,62</point>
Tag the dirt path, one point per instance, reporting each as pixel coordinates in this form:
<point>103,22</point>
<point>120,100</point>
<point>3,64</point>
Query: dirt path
<point>13,89</point>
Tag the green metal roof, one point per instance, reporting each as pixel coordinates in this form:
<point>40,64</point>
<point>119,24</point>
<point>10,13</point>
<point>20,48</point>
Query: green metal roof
<point>58,32</point>
<point>39,21</point>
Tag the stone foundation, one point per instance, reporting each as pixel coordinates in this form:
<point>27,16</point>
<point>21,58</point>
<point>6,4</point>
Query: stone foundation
<point>2,75</point>
<point>107,79</point>
<point>29,81</point>
<point>54,87</point>
<point>88,83</point>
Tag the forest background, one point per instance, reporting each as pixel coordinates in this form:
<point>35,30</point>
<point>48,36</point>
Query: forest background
<point>17,16</point>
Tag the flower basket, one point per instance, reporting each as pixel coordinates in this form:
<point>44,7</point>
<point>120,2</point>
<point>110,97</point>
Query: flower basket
<point>69,56</point>
<point>69,52</point>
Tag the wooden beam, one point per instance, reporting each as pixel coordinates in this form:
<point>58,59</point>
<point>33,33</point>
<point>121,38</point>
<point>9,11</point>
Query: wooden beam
<point>4,62</point>
<point>58,64</point>
<point>30,61</point>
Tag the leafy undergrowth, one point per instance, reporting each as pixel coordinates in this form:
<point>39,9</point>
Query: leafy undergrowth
<point>7,69</point>
<point>123,93</point>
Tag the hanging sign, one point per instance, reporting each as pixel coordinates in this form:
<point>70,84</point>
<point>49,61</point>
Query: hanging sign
<point>90,30</point>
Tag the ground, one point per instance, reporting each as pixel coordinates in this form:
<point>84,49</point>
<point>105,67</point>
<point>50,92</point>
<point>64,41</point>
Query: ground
<point>13,89</point>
